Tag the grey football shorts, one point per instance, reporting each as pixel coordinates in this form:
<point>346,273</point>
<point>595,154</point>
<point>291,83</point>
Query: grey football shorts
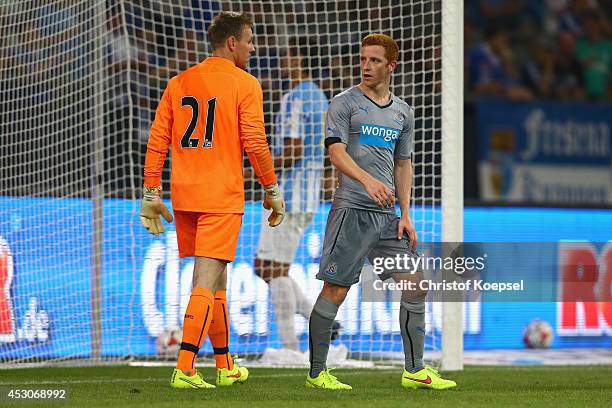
<point>353,235</point>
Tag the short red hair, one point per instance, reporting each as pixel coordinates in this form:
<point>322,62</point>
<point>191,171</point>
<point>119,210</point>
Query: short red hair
<point>388,43</point>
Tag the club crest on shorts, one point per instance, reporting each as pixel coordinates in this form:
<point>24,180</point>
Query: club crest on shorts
<point>331,269</point>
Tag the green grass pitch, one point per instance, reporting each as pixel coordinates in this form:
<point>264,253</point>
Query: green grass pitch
<point>123,386</point>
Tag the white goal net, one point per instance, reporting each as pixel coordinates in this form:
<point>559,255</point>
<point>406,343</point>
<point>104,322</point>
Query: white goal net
<point>80,279</point>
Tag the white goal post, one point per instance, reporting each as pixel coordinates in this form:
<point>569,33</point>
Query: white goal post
<point>452,168</point>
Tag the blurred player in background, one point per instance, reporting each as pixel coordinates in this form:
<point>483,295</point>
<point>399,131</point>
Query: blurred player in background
<point>209,114</point>
<point>298,154</point>
<point>369,135</point>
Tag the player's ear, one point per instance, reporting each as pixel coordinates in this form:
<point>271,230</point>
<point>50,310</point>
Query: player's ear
<point>231,42</point>
<point>392,65</point>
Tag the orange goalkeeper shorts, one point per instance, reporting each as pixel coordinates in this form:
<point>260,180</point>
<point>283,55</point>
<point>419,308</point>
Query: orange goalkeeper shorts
<point>205,234</point>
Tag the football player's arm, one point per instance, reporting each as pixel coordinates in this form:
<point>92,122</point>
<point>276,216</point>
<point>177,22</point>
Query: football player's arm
<point>160,138</point>
<point>402,174</point>
<point>403,188</point>
<point>291,129</point>
<point>403,184</point>
<point>253,137</point>
<point>253,133</point>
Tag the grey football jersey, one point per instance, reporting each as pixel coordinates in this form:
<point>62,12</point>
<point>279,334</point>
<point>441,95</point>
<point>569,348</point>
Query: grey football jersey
<point>375,136</point>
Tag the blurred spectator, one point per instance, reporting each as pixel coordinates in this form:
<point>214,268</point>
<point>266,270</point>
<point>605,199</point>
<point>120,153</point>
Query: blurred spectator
<point>486,74</point>
<point>539,72</point>
<point>569,61</point>
<point>595,55</point>
<point>570,16</point>
<point>491,69</point>
<point>553,72</point>
<point>569,83</point>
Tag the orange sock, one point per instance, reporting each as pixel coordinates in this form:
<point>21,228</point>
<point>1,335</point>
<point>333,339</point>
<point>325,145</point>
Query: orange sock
<point>219,332</point>
<point>195,326</point>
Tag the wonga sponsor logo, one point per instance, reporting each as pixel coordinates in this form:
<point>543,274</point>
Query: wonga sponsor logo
<point>379,136</point>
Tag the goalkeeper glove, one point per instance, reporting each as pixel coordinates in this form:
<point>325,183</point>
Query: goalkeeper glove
<point>274,200</point>
<point>150,209</point>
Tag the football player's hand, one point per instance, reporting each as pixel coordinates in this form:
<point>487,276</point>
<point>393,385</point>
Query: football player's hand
<point>151,208</point>
<point>405,224</point>
<point>379,192</point>
<point>274,200</point>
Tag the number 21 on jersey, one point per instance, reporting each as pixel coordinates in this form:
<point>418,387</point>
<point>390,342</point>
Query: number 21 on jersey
<point>189,142</point>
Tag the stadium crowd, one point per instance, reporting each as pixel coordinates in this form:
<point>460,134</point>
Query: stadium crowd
<point>546,50</point>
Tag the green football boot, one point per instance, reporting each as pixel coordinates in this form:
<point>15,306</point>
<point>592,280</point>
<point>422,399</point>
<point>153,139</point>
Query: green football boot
<point>180,380</point>
<point>428,377</point>
<point>226,377</point>
<point>326,381</point>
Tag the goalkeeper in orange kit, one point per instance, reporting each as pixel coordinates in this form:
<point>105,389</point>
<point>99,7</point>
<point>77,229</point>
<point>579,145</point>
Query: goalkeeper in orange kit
<point>209,114</point>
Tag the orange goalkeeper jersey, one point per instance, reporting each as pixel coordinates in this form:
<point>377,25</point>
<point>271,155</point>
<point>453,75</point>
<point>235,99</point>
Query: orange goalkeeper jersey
<point>210,114</point>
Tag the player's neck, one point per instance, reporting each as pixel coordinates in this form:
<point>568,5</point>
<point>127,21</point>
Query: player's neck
<point>223,53</point>
<point>379,94</point>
